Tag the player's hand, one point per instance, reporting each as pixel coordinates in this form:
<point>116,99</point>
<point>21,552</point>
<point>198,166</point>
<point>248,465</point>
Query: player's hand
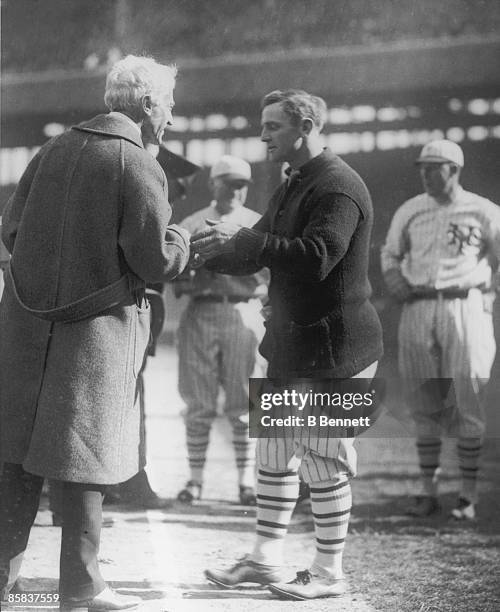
<point>195,260</point>
<point>218,238</point>
<point>397,285</point>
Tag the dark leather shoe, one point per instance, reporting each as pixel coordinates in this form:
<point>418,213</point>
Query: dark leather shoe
<point>190,493</point>
<point>464,510</point>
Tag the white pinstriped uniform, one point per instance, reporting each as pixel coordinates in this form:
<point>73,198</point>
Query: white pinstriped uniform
<point>217,346</point>
<point>444,247</point>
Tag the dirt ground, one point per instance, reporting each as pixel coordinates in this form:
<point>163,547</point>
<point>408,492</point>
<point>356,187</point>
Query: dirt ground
<point>394,563</point>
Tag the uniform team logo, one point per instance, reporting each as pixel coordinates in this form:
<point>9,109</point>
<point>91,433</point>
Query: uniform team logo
<point>465,238</point>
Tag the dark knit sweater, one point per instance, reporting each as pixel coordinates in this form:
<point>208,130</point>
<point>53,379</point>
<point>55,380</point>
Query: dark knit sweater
<point>315,239</point>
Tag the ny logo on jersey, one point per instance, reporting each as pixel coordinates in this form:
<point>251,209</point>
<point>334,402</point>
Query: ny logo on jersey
<point>464,237</point>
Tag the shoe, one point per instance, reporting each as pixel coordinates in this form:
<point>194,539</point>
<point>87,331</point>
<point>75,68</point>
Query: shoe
<point>424,505</point>
<point>247,496</point>
<point>104,601</point>
<point>190,493</point>
<point>309,586</point>
<point>464,511</point>
<point>244,571</point>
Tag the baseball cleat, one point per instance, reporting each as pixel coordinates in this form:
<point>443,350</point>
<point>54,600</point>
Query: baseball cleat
<point>244,571</point>
<point>464,511</point>
<point>190,493</point>
<point>309,586</point>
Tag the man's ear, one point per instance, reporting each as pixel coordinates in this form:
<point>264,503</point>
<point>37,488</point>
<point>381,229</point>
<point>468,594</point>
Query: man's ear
<point>307,126</point>
<point>147,104</point>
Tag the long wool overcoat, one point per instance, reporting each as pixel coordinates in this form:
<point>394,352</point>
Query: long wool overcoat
<point>86,226</point>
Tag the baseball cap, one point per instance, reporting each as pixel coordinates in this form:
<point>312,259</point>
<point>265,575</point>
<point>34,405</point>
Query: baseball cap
<point>232,167</point>
<point>439,151</point>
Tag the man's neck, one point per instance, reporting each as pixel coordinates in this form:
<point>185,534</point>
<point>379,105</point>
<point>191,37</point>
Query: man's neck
<point>226,209</point>
<point>309,150</point>
<point>449,196</point>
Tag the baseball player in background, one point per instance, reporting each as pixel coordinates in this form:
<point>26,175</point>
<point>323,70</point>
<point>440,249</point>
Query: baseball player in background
<point>439,259</point>
<point>315,238</point>
<point>218,337</point>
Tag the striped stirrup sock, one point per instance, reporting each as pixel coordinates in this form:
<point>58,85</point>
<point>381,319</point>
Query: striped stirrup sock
<point>277,494</point>
<point>244,450</point>
<point>197,443</point>
<point>331,503</point>
<point>469,451</point>
<point>429,450</point>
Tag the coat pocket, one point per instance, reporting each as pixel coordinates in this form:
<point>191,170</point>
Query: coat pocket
<point>142,334</point>
<point>305,347</point>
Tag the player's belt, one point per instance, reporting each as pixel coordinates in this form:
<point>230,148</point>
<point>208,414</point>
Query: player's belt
<point>447,294</point>
<point>221,299</point>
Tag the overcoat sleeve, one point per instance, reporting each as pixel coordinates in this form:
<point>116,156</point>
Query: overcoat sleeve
<point>14,208</point>
<point>154,250</point>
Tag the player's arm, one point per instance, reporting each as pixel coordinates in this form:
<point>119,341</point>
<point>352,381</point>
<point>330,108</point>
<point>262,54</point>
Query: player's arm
<point>392,254</point>
<point>240,261</point>
<point>312,255</point>
<point>183,284</point>
<point>493,245</point>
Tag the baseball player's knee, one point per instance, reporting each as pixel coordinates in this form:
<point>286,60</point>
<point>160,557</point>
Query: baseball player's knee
<point>278,471</point>
<point>335,480</point>
<point>197,423</point>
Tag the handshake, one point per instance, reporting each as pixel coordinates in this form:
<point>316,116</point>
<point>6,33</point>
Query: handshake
<point>217,239</point>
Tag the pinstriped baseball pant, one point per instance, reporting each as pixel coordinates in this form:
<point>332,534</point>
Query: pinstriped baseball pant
<point>319,458</point>
<point>448,338</point>
<point>217,344</point>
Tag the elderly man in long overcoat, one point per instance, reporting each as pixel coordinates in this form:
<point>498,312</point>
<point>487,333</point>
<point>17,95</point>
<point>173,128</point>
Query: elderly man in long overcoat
<point>87,227</point>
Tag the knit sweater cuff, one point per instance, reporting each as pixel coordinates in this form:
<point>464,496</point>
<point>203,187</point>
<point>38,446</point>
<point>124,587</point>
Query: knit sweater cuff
<point>250,243</point>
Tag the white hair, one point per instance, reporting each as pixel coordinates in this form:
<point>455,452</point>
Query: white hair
<point>134,77</point>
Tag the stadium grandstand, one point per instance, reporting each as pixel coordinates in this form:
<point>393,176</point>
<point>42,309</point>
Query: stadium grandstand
<point>73,34</point>
<point>395,74</point>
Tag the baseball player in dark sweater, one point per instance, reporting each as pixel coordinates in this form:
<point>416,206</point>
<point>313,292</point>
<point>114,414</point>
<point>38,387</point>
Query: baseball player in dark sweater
<point>314,238</point>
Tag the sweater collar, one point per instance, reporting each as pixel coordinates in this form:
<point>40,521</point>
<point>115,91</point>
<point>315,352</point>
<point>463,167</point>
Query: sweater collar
<point>312,166</point>
<point>112,124</point>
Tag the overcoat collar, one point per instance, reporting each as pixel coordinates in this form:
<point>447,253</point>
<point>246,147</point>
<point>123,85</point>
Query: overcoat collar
<point>112,124</point>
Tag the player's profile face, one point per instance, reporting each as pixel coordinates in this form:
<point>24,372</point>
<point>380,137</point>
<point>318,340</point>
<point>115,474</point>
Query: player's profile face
<point>160,117</point>
<point>283,139</point>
